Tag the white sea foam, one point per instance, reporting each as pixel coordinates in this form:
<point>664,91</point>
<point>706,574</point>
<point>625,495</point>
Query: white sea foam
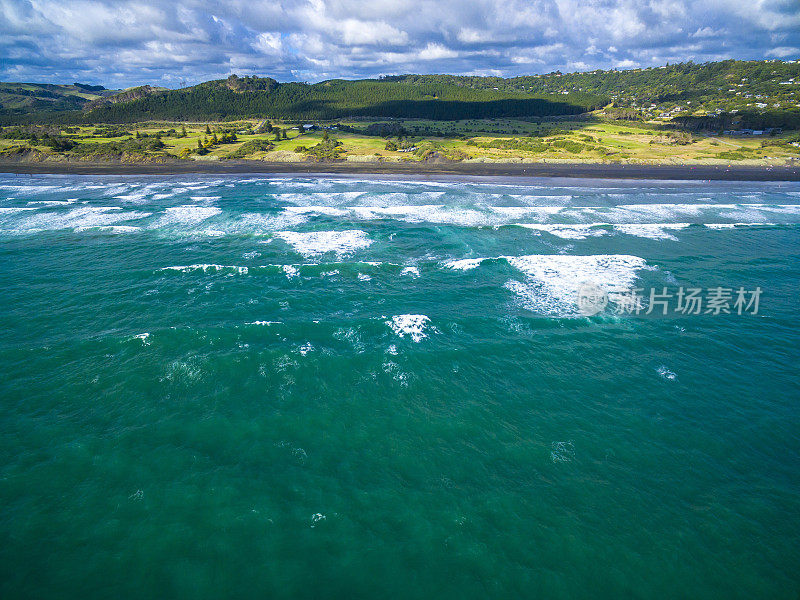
<point>318,198</point>
<point>583,220</point>
<point>32,189</point>
<point>746,212</point>
<point>364,277</point>
<point>411,271</point>
<point>261,223</point>
<point>77,218</point>
<point>212,232</point>
<point>520,212</point>
<point>49,203</point>
<point>315,243</point>
<point>352,337</point>
<point>132,197</point>
<point>534,200</point>
<point>568,232</point>
<point>464,264</point>
<point>265,323</point>
<point>735,225</point>
<point>412,213</point>
<point>653,231</point>
<point>206,268</point>
<point>410,325</point>
<point>784,209</point>
<point>552,281</point>
<point>562,451</point>
<point>12,210</point>
<point>187,214</point>
<point>290,271</point>
<point>329,211</point>
<point>665,373</point>
<point>394,370</point>
<point>306,348</point>
<point>111,228</point>
<point>144,337</point>
<point>469,216</point>
<point>668,211</point>
<point>429,213</point>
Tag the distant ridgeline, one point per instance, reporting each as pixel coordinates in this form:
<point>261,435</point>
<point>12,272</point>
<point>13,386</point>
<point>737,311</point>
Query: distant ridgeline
<point>26,98</point>
<point>714,95</point>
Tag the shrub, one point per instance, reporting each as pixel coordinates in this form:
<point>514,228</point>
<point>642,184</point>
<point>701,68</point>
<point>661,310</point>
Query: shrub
<point>329,149</point>
<point>249,147</point>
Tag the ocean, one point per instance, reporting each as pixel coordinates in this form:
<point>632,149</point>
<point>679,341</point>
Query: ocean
<point>311,387</point>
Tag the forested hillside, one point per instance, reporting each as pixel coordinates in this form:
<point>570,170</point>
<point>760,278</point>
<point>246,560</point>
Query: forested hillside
<point>765,92</point>
<point>236,97</point>
<point>726,85</point>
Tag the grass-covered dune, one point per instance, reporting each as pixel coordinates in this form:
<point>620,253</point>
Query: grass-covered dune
<point>573,140</point>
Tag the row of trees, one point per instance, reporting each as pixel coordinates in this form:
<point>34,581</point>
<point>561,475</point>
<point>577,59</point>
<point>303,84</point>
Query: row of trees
<point>207,143</point>
<point>742,120</point>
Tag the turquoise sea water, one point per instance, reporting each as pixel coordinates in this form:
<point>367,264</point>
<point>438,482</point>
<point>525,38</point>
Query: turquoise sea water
<point>251,387</point>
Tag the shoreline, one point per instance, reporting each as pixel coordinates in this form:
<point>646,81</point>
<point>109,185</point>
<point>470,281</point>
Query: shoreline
<point>569,170</point>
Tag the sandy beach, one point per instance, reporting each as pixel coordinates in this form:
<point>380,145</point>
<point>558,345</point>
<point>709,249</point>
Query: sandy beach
<point>584,170</point>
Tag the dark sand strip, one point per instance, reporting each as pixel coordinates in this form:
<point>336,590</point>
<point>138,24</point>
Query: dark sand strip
<point>587,170</point>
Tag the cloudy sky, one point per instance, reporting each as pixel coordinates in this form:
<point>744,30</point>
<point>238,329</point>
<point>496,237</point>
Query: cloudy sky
<point>119,43</point>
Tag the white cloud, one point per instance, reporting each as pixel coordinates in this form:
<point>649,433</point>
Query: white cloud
<point>436,52</point>
<point>784,52</point>
<point>362,32</point>
<point>268,42</point>
<point>472,36</point>
<point>126,42</point>
<point>626,64</point>
<point>578,65</point>
<point>705,32</point>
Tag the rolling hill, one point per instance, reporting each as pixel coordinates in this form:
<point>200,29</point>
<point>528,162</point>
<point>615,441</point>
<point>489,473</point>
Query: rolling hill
<point>684,91</point>
<point>27,98</point>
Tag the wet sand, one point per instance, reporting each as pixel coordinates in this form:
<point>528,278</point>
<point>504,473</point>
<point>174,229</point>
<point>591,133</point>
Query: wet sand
<point>585,170</point>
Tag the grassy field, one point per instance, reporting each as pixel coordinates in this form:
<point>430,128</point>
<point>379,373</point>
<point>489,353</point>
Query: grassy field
<point>472,140</point>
